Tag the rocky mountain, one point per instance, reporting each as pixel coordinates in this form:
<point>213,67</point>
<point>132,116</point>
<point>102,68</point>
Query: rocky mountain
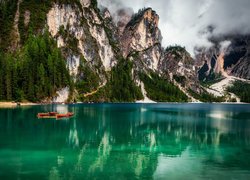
<point>228,56</point>
<point>108,57</point>
<point>225,67</point>
<point>240,50</point>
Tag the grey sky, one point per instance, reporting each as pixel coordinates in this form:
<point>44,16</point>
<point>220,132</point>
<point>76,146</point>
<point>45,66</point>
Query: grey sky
<point>185,22</point>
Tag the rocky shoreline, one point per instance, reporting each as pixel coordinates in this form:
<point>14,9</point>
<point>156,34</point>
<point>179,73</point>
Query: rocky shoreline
<point>15,104</point>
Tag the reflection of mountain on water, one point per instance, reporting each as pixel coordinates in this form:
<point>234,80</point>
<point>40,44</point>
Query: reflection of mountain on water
<point>132,126</point>
<point>132,140</point>
<point>144,135</point>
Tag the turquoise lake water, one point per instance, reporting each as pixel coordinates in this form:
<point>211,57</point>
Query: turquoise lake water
<point>126,141</point>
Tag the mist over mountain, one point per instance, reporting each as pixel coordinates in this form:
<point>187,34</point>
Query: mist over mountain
<point>117,51</point>
<point>192,23</point>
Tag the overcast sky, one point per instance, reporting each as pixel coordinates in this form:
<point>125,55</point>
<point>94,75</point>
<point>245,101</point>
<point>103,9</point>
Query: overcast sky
<point>185,22</point>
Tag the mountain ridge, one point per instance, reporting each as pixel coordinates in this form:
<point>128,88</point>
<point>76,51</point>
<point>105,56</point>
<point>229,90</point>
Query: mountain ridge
<point>116,60</point>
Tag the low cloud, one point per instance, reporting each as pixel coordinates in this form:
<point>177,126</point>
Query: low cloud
<point>191,23</point>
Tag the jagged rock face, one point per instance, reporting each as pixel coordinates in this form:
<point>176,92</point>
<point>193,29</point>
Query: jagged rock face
<point>15,33</point>
<point>62,95</point>
<point>106,14</point>
<point>210,61</point>
<point>204,71</point>
<point>241,69</point>
<point>239,57</point>
<point>85,29</point>
<point>148,59</point>
<point>236,51</point>
<point>178,61</point>
<point>230,60</point>
<point>105,51</point>
<point>63,15</point>
<point>141,32</point>
<point>73,62</point>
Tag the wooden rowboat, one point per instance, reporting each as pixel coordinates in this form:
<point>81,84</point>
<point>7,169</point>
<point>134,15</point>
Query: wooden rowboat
<point>54,115</point>
<point>69,114</point>
<point>47,115</point>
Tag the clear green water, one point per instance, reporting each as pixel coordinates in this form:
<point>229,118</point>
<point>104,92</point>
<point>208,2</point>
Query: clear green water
<point>127,141</point>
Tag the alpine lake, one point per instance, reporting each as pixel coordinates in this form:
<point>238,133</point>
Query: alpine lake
<point>126,141</point>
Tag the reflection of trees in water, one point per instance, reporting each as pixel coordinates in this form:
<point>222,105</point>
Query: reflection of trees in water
<point>128,141</point>
<point>73,135</point>
<point>142,135</point>
<point>20,126</point>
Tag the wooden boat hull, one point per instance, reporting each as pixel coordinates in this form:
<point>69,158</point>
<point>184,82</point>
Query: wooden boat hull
<point>59,116</point>
<point>54,115</point>
<point>46,117</point>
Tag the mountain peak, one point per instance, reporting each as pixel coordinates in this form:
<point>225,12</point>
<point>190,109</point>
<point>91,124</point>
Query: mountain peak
<point>151,16</point>
<point>141,32</point>
<point>147,14</point>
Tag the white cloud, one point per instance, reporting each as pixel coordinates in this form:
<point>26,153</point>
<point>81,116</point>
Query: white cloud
<point>181,22</point>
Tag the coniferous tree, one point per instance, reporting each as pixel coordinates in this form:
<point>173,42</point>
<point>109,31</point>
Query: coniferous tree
<point>1,76</point>
<point>34,73</point>
<point>8,77</point>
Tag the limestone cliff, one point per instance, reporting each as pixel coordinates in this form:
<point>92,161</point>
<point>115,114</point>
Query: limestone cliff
<point>141,44</point>
<point>103,51</point>
<point>228,56</point>
<point>178,64</point>
<point>241,52</point>
<point>141,33</point>
<point>83,34</point>
<point>82,27</point>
